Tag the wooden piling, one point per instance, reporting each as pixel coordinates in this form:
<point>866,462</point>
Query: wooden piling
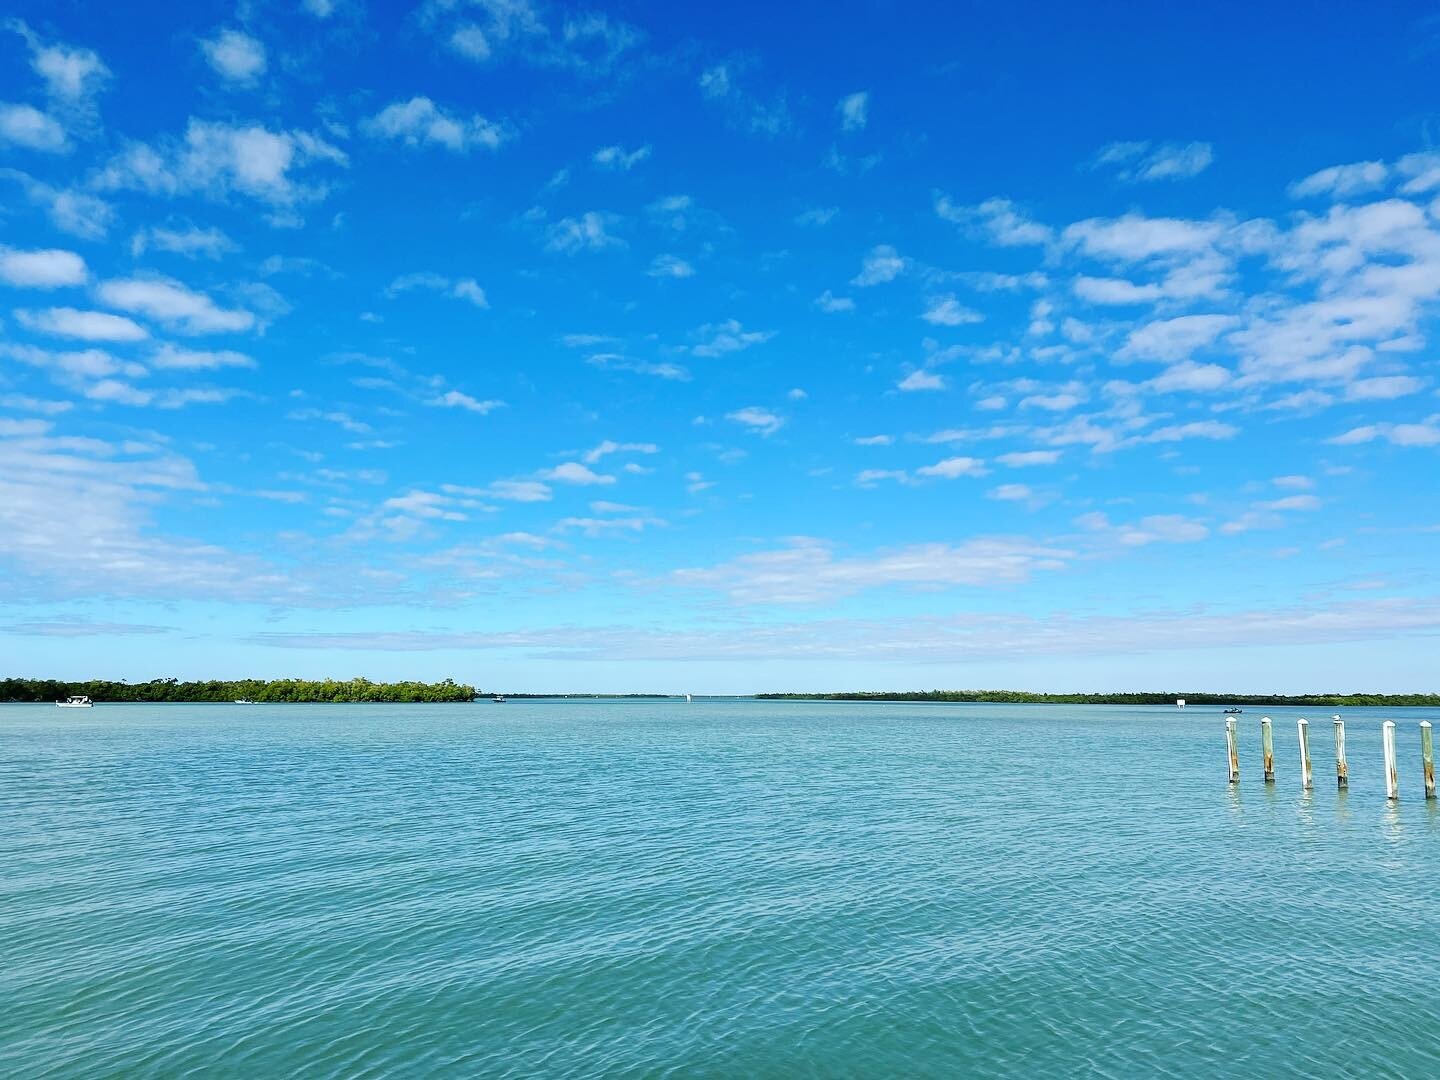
<point>1427,758</point>
<point>1342,769</point>
<point>1303,726</point>
<point>1267,749</point>
<point>1392,777</point>
<point>1232,745</point>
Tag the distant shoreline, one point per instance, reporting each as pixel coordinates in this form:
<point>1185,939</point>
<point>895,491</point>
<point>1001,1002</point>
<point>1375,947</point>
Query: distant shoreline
<point>1024,697</point>
<point>363,691</point>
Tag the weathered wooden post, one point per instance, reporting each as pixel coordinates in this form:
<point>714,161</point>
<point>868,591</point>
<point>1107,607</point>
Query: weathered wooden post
<point>1342,770</point>
<point>1267,749</point>
<point>1427,758</point>
<point>1233,747</point>
<point>1304,729</point>
<point>1392,778</point>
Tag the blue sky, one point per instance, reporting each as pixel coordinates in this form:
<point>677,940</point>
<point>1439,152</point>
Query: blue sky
<point>815,347</point>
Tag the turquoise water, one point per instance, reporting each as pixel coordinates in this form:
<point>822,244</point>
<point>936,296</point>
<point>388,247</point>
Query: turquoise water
<point>735,888</point>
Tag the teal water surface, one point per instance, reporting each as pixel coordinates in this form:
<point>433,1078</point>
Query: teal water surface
<point>726,888</point>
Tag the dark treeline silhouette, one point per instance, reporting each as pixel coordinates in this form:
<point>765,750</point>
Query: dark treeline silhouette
<point>1025,697</point>
<point>273,690</point>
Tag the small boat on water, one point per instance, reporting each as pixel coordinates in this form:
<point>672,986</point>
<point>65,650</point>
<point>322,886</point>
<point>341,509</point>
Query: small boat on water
<point>1233,712</point>
<point>499,699</point>
<point>76,701</point>
<point>243,701</point>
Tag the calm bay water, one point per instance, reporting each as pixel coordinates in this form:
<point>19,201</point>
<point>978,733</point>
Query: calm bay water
<point>733,888</point>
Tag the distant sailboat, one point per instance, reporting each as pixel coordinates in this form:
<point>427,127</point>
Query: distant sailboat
<point>688,698</point>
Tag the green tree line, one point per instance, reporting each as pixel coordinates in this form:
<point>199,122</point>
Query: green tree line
<point>1027,698</point>
<point>272,690</point>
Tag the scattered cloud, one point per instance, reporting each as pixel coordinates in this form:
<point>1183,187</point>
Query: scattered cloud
<point>718,339</point>
<point>454,399</point>
<point>467,289</point>
<point>921,379</point>
<point>588,232</point>
<point>881,265</point>
<point>420,122</point>
<point>759,420</point>
<point>173,305</point>
<point>85,325</point>
<point>217,160</point>
<point>235,56</point>
<point>1134,162</point>
<point>618,158</point>
<point>47,268</point>
<point>27,127</point>
<point>854,110</point>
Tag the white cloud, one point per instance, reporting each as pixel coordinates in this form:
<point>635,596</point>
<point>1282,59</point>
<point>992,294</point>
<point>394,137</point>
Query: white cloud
<point>1383,388</point>
<point>454,399</point>
<point>464,289</point>
<point>1140,161</point>
<point>1133,238</point>
<point>70,210</point>
<point>759,420</point>
<point>1011,493</point>
<point>999,219</point>
<point>525,491</point>
<point>947,311</point>
<point>1190,377</point>
<point>171,357</point>
<point>882,264</point>
<point>27,126</point>
<point>81,364</point>
<point>953,468</point>
<point>1115,291</point>
<point>572,472</point>
<point>420,122</point>
<point>1426,434</point>
<point>670,266</point>
<point>236,57</point>
<point>1341,181</point>
<point>715,81</point>
<point>920,379</point>
<point>854,110</point>
<point>605,526</point>
<point>216,159</point>
<point>1026,458</point>
<point>817,216</point>
<point>1294,483</point>
<point>1175,339</point>
<point>618,158</point>
<point>610,446</point>
<point>588,232</point>
<point>727,337</point>
<point>189,241</point>
<point>830,303</point>
<point>48,268</point>
<point>174,305</point>
<point>85,325</point>
<point>72,75</point>
<point>874,440</point>
<point>808,571</point>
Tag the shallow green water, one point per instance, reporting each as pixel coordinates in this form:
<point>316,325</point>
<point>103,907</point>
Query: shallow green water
<point>732,888</point>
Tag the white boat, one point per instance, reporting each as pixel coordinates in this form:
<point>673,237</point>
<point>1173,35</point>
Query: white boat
<point>76,701</point>
<point>499,699</point>
<point>243,701</point>
<point>689,698</point>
